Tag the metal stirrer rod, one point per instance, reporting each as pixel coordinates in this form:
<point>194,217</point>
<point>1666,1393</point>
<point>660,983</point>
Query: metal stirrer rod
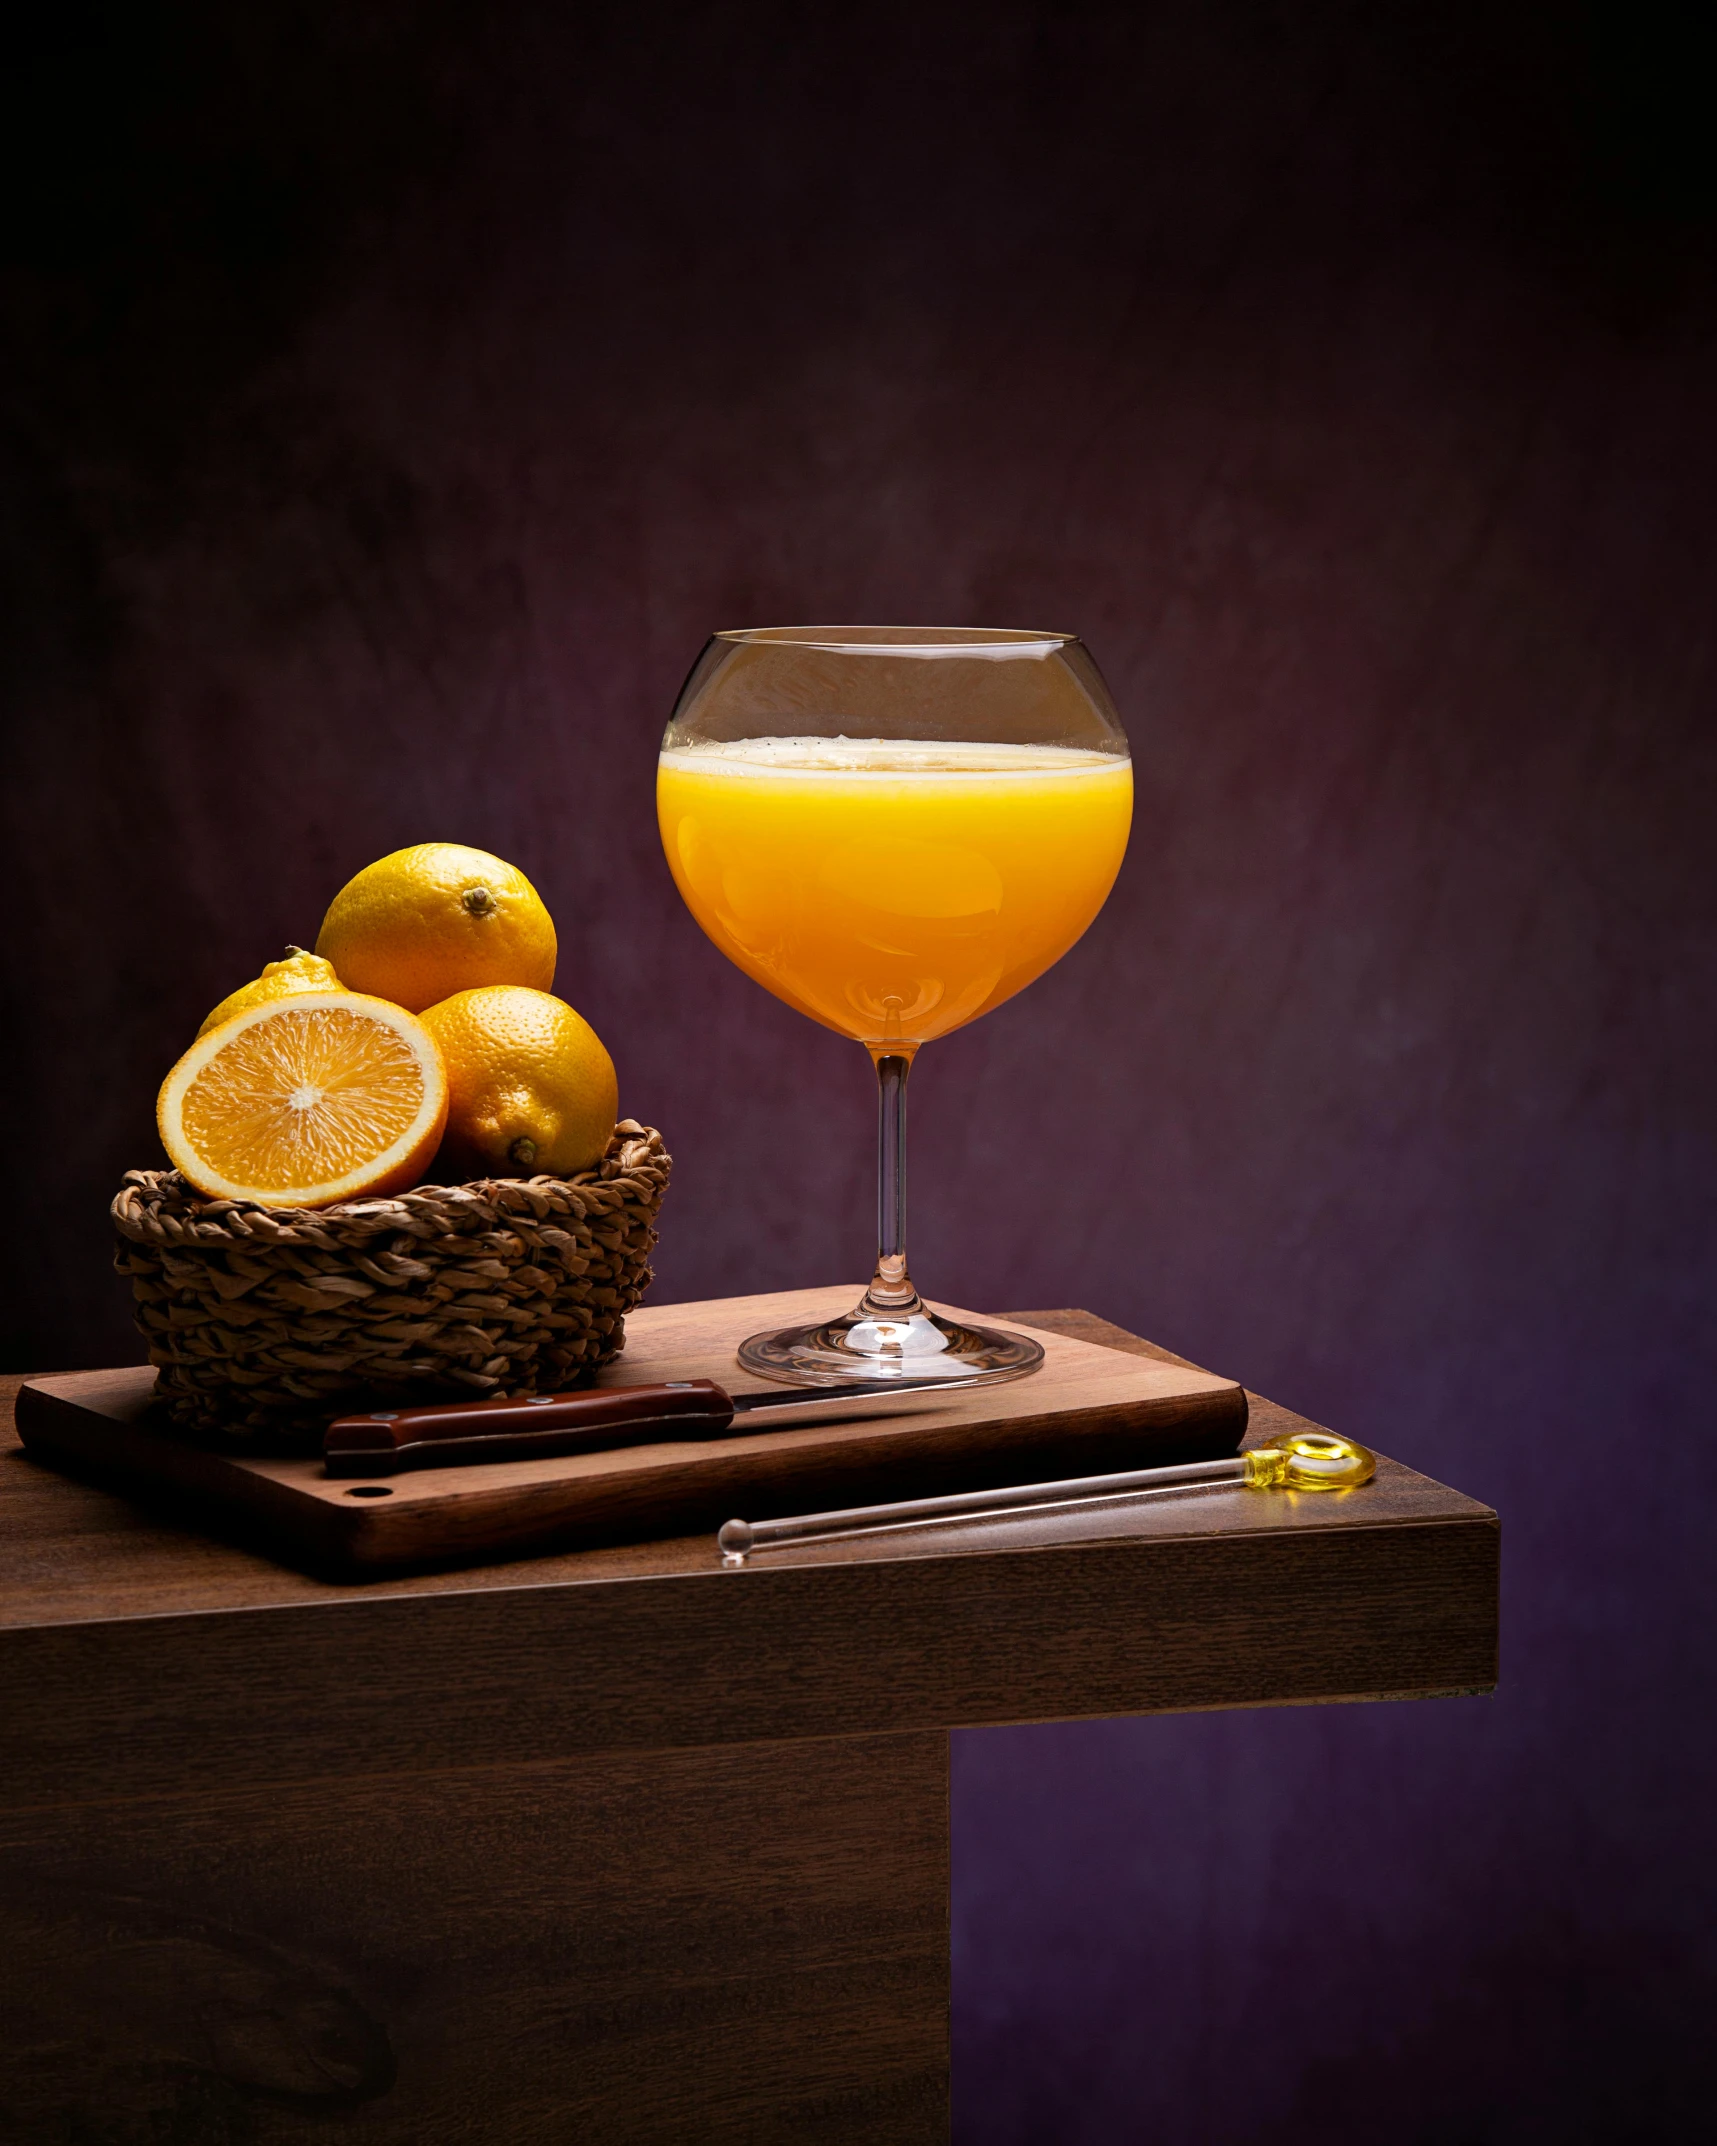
<point>1303,1460</point>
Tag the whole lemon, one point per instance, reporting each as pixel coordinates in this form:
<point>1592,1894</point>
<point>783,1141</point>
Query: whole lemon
<point>281,979</point>
<point>436,919</point>
<point>530,1088</point>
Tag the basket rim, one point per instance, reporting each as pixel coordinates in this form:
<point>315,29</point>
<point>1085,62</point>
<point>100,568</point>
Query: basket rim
<point>635,1162</point>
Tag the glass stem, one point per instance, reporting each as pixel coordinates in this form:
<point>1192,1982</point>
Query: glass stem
<point>891,1294</point>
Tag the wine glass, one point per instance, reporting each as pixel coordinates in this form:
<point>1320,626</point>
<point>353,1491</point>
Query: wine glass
<point>893,828</point>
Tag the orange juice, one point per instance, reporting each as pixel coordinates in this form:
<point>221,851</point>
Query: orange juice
<point>891,889</point>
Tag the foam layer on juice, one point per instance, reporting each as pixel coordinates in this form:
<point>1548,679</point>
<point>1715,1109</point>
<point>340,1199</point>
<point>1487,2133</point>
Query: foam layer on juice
<point>887,756</point>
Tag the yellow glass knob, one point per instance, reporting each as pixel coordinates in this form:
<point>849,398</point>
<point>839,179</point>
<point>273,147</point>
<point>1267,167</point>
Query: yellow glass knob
<point>1309,1460</point>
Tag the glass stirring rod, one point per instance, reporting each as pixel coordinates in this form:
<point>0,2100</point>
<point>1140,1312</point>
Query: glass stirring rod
<point>1302,1460</point>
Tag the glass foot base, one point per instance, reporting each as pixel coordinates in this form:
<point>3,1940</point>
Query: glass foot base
<point>866,1345</point>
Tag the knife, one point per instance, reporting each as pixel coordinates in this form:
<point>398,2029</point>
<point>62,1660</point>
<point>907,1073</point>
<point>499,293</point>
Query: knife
<point>387,1440</point>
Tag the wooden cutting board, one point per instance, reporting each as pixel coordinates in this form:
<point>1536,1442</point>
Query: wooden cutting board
<point>1086,1411</point>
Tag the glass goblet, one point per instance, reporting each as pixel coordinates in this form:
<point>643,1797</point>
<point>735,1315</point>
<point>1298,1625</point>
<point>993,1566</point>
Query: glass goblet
<point>894,829</point>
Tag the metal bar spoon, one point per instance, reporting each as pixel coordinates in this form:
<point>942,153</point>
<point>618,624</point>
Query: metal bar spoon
<point>1303,1460</point>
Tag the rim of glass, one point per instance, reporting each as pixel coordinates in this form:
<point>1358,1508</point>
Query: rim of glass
<point>895,640</point>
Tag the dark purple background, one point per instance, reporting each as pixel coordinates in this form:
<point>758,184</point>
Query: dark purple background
<point>399,396</point>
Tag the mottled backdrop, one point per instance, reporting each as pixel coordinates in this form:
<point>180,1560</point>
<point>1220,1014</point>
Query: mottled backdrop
<point>395,397</point>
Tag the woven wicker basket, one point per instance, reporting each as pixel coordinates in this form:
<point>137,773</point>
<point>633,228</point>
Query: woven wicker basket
<point>264,1322</point>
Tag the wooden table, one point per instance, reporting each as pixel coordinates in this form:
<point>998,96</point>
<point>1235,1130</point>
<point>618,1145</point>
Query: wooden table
<point>612,1846</point>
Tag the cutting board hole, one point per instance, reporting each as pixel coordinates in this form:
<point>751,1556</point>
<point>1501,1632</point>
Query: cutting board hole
<point>369,1490</point>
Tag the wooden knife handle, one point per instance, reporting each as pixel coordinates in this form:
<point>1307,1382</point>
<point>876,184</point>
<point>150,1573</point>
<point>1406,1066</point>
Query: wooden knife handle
<point>388,1439</point>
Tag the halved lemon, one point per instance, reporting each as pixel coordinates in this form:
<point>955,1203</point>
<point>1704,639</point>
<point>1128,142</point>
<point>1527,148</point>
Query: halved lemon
<point>307,1100</point>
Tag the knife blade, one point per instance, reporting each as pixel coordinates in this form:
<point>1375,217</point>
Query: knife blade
<point>386,1440</point>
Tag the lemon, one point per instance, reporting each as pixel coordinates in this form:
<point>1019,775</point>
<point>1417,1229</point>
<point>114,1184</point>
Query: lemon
<point>531,1089</point>
<point>302,1101</point>
<point>281,979</point>
<point>425,923</point>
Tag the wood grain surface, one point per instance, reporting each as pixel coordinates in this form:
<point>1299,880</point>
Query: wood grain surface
<point>612,1844</point>
<point>748,1944</point>
<point>1088,1409</point>
<point>1228,1598</point>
